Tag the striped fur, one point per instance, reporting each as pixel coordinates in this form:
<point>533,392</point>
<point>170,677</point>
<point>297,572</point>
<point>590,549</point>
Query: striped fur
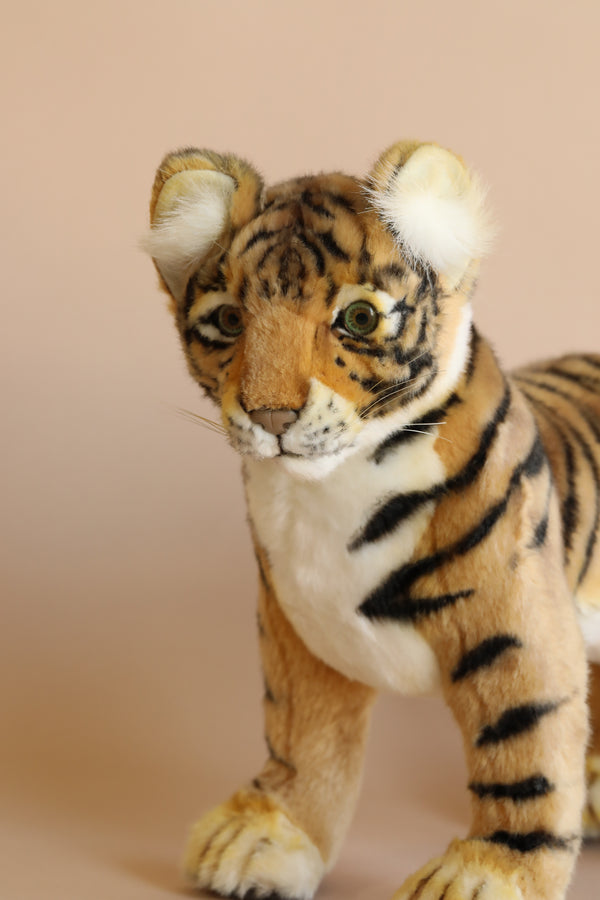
<point>422,520</point>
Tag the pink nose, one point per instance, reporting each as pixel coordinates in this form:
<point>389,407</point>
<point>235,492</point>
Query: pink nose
<point>275,421</point>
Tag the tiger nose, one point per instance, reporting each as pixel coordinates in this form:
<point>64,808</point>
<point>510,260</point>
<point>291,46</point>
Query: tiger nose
<point>275,421</point>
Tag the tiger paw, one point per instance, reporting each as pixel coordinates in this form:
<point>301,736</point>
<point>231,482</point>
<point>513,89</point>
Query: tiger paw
<point>248,846</point>
<point>463,873</point>
<point>591,813</point>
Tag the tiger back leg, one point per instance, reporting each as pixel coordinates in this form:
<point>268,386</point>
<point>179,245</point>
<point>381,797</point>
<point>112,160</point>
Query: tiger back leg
<point>591,815</point>
<point>279,834</point>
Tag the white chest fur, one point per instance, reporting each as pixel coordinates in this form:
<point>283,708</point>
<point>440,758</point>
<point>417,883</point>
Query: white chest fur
<point>305,527</point>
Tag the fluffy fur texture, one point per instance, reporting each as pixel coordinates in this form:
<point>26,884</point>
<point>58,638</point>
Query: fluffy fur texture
<point>422,521</point>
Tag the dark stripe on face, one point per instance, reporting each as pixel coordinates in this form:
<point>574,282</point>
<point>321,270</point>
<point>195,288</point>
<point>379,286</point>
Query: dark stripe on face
<point>331,293</point>
<point>331,245</point>
<point>518,791</point>
<point>225,362</point>
<point>317,208</point>
<point>392,270</point>
<point>398,508</point>
<point>339,362</point>
<point>190,295</point>
<point>341,201</point>
<point>474,348</point>
<point>209,344</point>
<point>515,721</point>
<point>393,591</point>
<point>424,361</point>
<point>530,841</point>
<point>350,345</point>
<point>407,393</point>
<point>315,251</point>
<point>243,290</point>
<point>484,654</point>
<point>262,235</point>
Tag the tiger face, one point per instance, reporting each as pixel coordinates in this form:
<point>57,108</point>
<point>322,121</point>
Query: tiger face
<point>313,319</point>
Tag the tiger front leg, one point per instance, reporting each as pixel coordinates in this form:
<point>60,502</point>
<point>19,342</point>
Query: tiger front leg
<point>278,835</point>
<point>515,677</point>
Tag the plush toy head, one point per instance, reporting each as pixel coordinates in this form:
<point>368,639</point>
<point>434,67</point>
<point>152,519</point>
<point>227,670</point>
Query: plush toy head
<point>312,310</point>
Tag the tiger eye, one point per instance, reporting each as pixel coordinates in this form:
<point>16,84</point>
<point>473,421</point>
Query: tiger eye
<point>360,318</point>
<point>229,321</point>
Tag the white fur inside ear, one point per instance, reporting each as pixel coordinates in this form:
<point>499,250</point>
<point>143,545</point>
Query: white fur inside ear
<point>190,214</point>
<point>436,209</point>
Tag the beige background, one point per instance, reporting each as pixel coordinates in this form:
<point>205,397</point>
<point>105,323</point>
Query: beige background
<point>128,669</point>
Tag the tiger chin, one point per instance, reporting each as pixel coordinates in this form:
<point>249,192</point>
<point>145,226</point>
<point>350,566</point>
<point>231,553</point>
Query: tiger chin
<point>422,520</point>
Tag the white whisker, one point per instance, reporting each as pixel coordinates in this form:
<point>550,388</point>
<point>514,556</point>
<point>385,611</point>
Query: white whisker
<point>196,419</point>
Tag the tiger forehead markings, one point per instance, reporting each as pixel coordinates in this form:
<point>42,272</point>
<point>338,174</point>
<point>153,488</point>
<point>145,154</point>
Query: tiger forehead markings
<point>421,519</point>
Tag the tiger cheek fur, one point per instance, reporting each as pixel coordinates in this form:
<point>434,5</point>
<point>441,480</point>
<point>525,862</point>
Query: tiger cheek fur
<point>421,520</point>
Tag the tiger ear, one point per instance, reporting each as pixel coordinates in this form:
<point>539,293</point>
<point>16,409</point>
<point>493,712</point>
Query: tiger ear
<point>199,198</point>
<point>434,206</point>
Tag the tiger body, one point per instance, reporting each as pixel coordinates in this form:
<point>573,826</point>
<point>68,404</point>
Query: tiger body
<point>422,521</point>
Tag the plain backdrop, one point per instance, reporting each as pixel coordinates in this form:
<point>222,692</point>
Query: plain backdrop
<point>129,676</point>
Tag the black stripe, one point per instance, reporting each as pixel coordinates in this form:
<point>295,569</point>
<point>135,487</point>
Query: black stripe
<point>585,382</point>
<point>515,721</point>
<point>340,200</point>
<point>475,344</point>
<point>331,245</point>
<point>315,251</point>
<point>377,352</point>
<point>591,360</point>
<point>541,529</point>
<point>275,756</point>
<point>262,235</point>
<point>411,609</point>
<point>398,508</point>
<point>331,293</point>
<point>393,592</point>
<point>339,361</point>
<point>404,436</point>
<point>529,841</point>
<point>317,208</point>
<point>391,270</point>
<point>190,294</point>
<point>423,361</point>
<point>484,654</point>
<point>540,533</point>
<point>570,507</point>
<point>192,334</point>
<point>391,514</point>
<point>518,791</point>
<point>425,384</point>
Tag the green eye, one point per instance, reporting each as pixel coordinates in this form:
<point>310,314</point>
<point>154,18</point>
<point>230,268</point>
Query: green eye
<point>360,318</point>
<point>228,320</point>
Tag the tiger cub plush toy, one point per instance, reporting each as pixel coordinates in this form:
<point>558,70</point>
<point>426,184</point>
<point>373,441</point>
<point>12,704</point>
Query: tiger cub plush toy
<point>421,520</point>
